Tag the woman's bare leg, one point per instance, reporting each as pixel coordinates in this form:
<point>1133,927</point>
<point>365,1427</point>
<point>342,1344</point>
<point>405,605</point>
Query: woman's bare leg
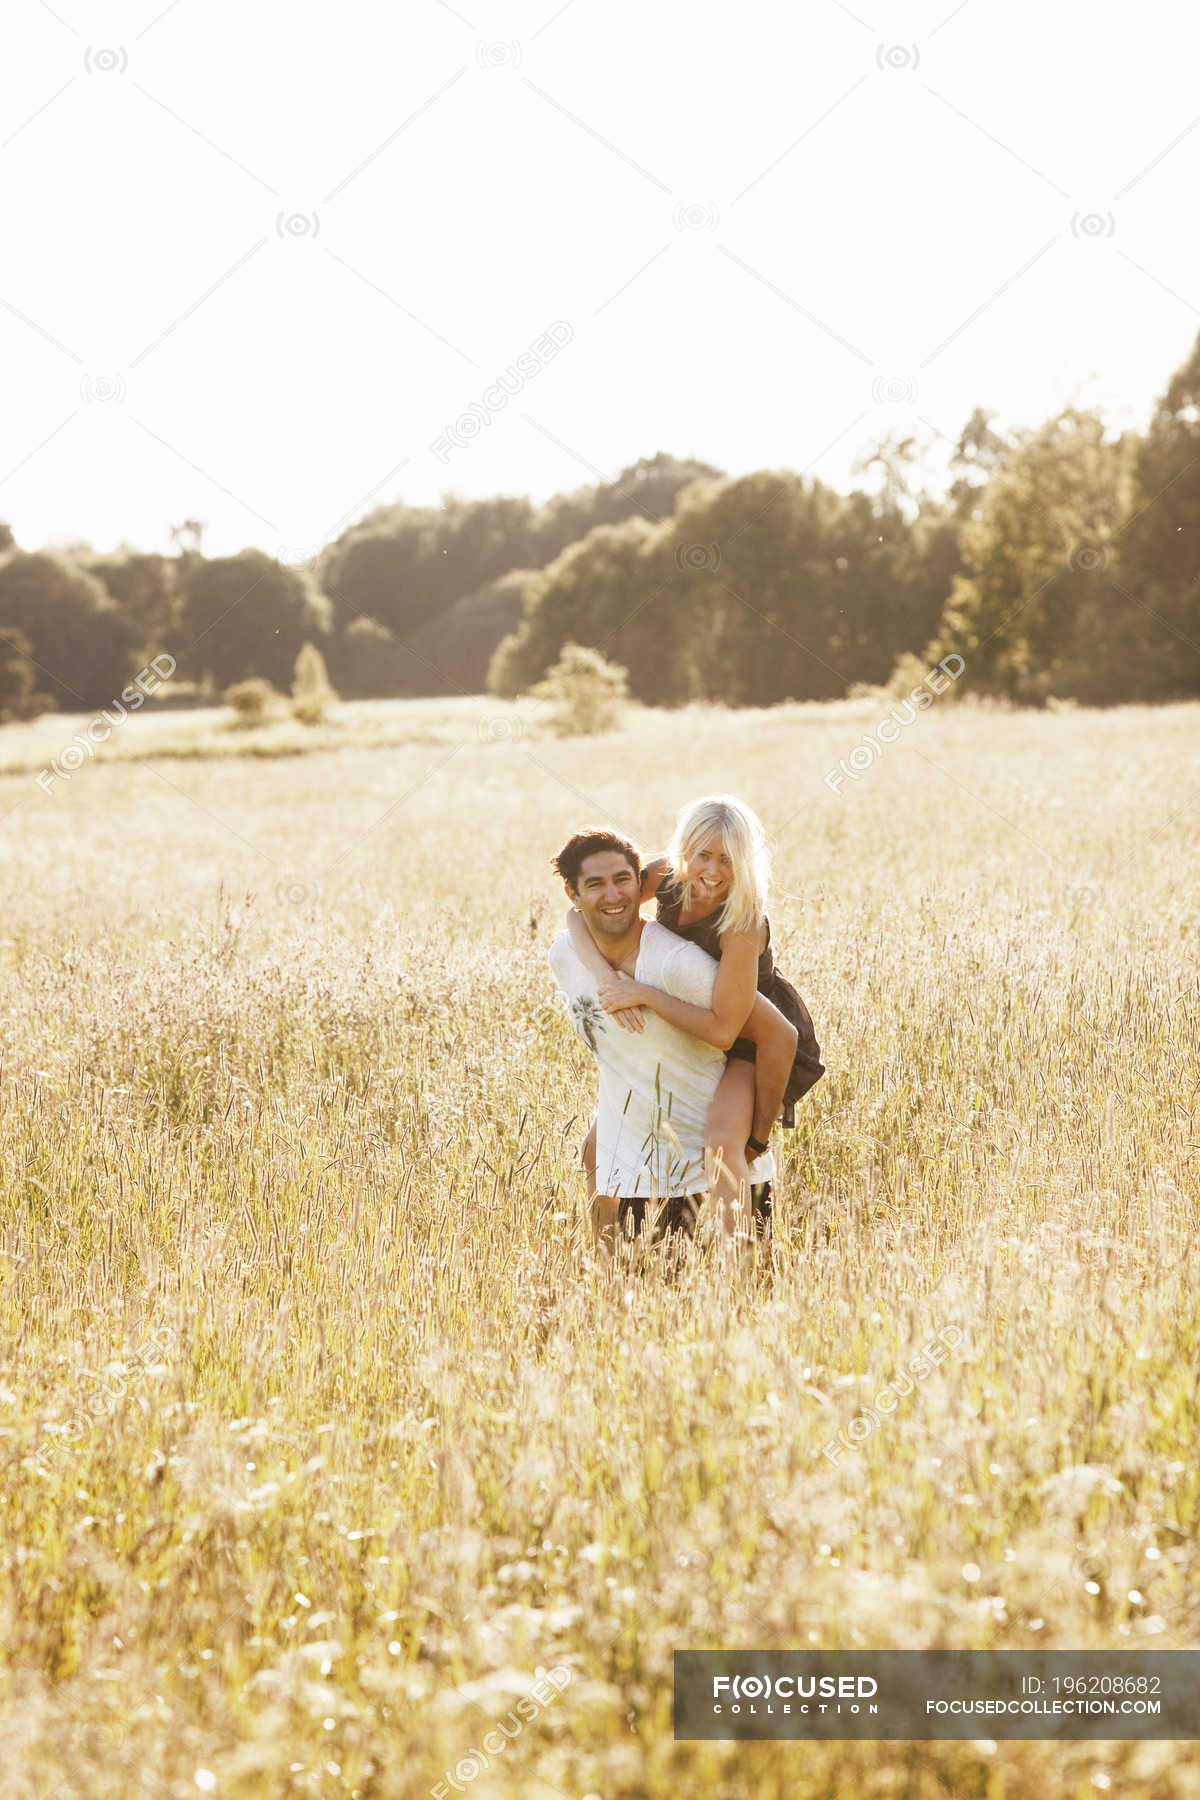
<point>729,1122</point>
<point>774,1039</point>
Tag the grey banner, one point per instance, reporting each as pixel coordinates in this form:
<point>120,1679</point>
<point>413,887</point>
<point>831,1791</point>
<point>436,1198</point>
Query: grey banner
<point>937,1694</point>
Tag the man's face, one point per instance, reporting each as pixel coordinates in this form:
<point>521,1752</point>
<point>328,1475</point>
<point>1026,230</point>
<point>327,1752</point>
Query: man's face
<point>608,894</point>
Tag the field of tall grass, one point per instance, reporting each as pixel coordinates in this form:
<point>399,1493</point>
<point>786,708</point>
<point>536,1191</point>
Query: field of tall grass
<point>324,1443</point>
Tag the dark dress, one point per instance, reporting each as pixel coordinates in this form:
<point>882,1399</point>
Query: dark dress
<point>807,1067</point>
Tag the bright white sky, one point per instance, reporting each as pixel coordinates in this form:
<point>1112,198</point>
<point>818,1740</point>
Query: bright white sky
<point>259,258</point>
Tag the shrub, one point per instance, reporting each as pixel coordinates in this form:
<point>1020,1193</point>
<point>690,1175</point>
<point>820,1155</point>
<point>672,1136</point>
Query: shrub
<point>19,698</point>
<point>254,702</point>
<point>911,671</point>
<point>586,690</point>
<point>312,694</point>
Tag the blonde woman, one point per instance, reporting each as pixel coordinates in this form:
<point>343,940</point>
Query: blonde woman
<point>711,887</point>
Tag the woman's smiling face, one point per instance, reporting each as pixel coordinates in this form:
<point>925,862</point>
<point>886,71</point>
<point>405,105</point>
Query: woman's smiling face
<point>710,871</point>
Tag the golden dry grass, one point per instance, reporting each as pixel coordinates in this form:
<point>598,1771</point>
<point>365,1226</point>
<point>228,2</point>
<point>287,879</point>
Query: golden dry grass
<point>280,1084</point>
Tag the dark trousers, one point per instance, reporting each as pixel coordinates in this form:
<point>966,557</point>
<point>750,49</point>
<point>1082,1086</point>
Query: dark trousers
<point>681,1211</point>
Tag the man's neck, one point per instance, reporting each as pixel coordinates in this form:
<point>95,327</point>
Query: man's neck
<point>623,949</point>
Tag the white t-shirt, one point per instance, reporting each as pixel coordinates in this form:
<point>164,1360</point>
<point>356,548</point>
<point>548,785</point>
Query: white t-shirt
<point>656,1085</point>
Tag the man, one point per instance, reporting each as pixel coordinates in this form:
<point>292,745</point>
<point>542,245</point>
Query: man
<point>657,1084</point>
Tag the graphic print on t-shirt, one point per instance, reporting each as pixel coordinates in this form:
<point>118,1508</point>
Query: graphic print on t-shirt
<point>589,1017</point>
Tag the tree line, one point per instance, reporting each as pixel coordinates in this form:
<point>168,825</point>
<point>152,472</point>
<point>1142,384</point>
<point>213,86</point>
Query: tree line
<point>410,600</point>
<point>1063,562</point>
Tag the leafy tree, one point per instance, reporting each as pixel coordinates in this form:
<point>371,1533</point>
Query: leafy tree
<point>19,698</point>
<point>759,584</point>
<point>376,575</point>
<point>430,575</point>
<point>647,489</point>
<point>925,565</point>
<point>382,574</point>
<point>188,537</point>
<point>894,457</point>
<point>759,589</point>
<point>451,652</point>
<point>405,565</point>
<point>146,589</point>
<point>1158,580</point>
<point>480,540</point>
<point>597,592</point>
<point>980,453</point>
<point>368,664</point>
<point>913,576</point>
<point>85,648</point>
<point>246,615</point>
<point>1031,614</point>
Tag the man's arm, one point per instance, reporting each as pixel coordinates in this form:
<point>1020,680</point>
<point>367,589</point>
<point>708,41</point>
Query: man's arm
<point>563,966</point>
<point>601,971</point>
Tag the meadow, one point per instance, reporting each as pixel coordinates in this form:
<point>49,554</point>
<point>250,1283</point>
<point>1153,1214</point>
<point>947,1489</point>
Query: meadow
<point>323,1437</point>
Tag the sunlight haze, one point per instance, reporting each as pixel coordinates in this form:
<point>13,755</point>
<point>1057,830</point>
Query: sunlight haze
<point>260,262</point>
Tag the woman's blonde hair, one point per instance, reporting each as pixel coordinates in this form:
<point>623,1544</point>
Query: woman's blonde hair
<point>746,846</point>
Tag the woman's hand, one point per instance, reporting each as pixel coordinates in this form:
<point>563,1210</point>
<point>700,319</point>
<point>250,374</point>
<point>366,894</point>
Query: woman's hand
<point>622,998</point>
<point>623,992</point>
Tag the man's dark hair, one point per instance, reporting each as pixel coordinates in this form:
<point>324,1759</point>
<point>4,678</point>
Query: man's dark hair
<point>585,843</point>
